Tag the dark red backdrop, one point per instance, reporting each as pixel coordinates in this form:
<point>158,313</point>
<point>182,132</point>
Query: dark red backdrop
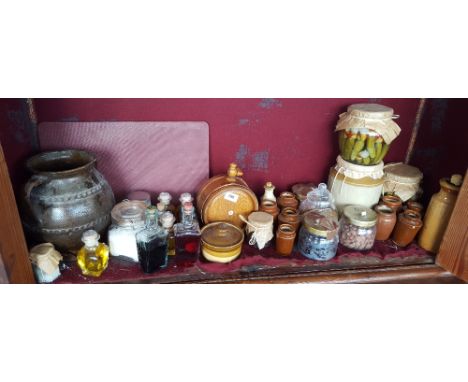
<point>282,140</point>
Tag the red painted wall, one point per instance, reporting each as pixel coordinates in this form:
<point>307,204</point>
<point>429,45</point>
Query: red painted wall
<point>282,140</point>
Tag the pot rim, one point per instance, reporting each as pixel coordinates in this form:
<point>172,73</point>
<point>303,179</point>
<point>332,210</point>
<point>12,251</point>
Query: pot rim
<point>33,161</point>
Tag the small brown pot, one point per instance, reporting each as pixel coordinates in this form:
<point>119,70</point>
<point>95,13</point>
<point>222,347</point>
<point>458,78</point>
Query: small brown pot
<point>287,199</point>
<point>285,236</point>
<point>393,201</point>
<point>415,206</point>
<point>271,208</point>
<point>289,216</point>
<point>386,219</point>
<point>408,225</point>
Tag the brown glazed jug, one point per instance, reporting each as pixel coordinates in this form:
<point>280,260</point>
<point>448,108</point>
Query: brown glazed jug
<point>65,196</point>
<point>386,219</point>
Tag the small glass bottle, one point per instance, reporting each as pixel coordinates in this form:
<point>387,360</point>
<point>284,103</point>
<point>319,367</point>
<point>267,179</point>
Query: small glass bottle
<point>167,221</point>
<point>93,257</point>
<point>187,238</point>
<point>152,243</point>
<point>165,198</point>
<point>185,197</point>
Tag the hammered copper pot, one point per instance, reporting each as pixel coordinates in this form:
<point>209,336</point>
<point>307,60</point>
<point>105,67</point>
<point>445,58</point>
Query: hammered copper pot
<point>65,196</point>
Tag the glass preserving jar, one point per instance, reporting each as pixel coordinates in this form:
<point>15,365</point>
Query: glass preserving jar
<point>365,133</point>
<point>318,237</point>
<point>358,227</point>
<point>128,218</point>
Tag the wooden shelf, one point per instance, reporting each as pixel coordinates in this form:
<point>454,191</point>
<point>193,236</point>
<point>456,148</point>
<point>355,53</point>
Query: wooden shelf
<point>384,261</point>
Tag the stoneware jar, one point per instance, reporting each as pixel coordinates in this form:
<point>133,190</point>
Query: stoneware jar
<point>270,208</point>
<point>415,206</point>
<point>287,199</point>
<point>285,236</point>
<point>65,197</point>
<point>386,219</point>
<point>290,216</point>
<point>408,225</point>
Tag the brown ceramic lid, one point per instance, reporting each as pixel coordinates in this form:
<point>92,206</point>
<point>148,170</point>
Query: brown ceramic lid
<point>222,235</point>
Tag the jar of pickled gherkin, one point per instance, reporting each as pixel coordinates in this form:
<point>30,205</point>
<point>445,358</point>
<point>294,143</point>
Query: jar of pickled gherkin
<point>366,131</point>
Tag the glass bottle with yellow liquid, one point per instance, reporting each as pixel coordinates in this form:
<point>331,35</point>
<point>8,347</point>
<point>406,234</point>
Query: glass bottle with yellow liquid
<point>93,257</point>
<point>167,221</point>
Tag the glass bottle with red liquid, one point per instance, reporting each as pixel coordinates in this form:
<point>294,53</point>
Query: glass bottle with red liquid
<point>187,237</point>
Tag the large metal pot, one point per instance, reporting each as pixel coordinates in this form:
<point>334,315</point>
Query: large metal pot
<point>65,197</point>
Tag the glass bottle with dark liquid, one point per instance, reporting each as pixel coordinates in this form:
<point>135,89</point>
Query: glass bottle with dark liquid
<point>152,243</point>
<point>187,238</point>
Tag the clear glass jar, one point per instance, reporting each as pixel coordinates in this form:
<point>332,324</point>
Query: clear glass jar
<point>128,218</point>
<point>358,227</point>
<point>319,200</point>
<point>318,237</point>
<point>365,133</point>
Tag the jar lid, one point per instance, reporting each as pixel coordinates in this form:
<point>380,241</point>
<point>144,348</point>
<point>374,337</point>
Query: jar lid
<point>357,171</point>
<point>261,219</point>
<point>370,117</point>
<point>142,196</point>
<point>370,110</point>
<point>320,225</point>
<point>128,213</point>
<point>301,190</point>
<point>46,257</point>
<point>360,216</point>
<point>403,173</point>
<point>222,235</point>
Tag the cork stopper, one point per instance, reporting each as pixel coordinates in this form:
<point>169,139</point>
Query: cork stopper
<point>456,179</point>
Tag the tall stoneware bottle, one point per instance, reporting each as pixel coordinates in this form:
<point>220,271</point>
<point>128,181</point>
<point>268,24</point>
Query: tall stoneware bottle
<point>438,213</point>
